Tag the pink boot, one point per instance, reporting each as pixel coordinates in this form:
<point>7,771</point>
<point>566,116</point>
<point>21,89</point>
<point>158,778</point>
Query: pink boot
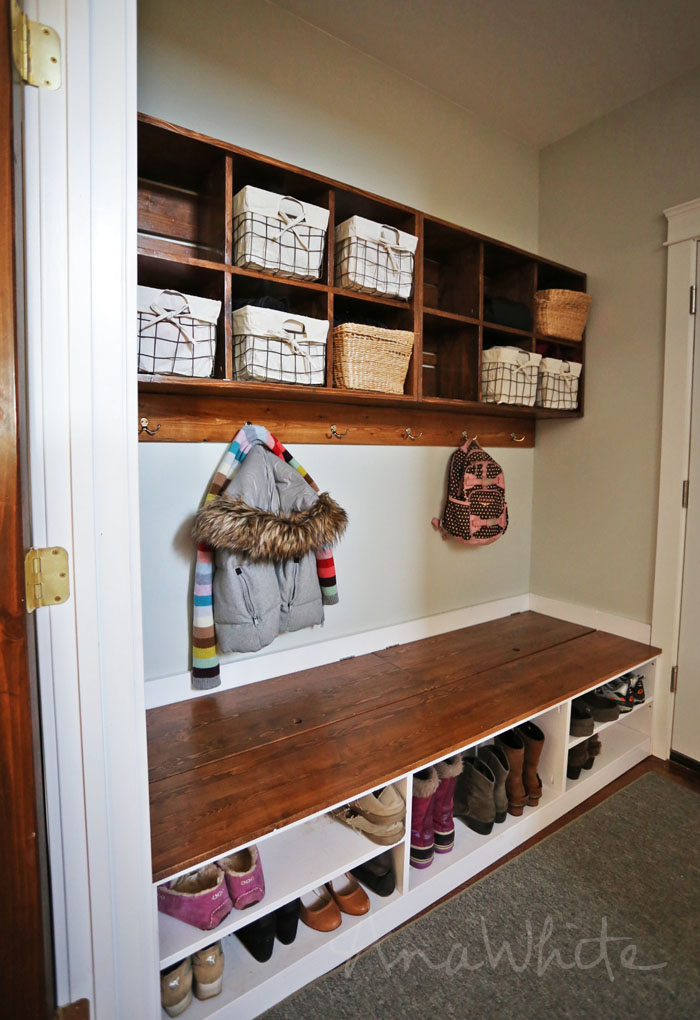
<point>425,785</point>
<point>443,821</point>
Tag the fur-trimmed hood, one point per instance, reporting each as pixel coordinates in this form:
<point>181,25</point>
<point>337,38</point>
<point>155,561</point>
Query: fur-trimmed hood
<point>261,535</point>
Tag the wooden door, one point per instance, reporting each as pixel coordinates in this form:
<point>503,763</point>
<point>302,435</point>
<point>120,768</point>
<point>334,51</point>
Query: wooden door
<point>685,742</point>
<point>25,947</point>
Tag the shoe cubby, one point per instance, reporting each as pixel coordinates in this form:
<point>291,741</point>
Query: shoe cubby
<point>294,861</point>
<point>638,718</point>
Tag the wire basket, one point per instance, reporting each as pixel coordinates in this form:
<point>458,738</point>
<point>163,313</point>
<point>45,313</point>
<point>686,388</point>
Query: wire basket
<point>370,358</point>
<point>561,313</point>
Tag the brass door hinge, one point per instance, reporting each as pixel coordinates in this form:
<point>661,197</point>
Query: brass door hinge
<point>79,1010</point>
<point>36,49</point>
<point>45,577</point>
<point>684,494</point>
<point>674,679</point>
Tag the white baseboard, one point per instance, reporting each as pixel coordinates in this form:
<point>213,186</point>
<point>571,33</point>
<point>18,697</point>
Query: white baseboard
<point>168,689</point>
<point>589,617</point>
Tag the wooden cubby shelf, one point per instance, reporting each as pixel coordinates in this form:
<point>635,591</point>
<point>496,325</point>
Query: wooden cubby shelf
<point>185,242</point>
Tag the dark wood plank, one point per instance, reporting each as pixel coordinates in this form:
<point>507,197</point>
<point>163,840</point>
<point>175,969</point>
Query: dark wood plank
<point>192,733</point>
<point>189,734</point>
<point>25,948</point>
<point>216,415</point>
<point>235,799</point>
<point>471,650</point>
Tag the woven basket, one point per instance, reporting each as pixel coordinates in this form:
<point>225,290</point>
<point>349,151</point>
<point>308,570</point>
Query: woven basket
<point>369,358</point>
<point>561,313</point>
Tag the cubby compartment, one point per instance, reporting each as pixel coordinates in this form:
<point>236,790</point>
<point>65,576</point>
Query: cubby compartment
<point>354,203</point>
<point>550,276</point>
<point>503,337</point>
<point>294,861</point>
<point>451,269</point>
<point>181,195</point>
<point>509,287</point>
<point>193,280</point>
<point>248,288</point>
<point>450,359</point>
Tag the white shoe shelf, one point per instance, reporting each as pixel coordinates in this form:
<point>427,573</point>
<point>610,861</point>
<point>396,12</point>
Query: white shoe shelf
<point>302,856</point>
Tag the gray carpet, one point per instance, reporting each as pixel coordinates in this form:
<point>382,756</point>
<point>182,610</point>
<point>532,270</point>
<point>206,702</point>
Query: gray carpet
<point>629,868</point>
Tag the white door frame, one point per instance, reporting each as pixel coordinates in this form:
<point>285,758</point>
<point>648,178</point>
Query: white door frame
<point>80,225</point>
<point>682,238</point>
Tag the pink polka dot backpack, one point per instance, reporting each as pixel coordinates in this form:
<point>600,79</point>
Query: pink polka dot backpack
<point>475,511</point>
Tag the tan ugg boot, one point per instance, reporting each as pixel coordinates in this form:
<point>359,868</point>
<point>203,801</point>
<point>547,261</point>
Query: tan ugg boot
<point>208,970</point>
<point>176,987</point>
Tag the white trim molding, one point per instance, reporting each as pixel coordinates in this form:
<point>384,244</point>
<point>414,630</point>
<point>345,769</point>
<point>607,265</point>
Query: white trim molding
<point>253,669</point>
<point>80,224</point>
<point>683,232</point>
<point>634,630</point>
<point>683,222</point>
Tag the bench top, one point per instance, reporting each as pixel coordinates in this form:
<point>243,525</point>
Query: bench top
<point>230,767</point>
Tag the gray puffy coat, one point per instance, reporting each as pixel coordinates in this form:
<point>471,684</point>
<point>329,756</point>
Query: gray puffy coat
<point>265,529</point>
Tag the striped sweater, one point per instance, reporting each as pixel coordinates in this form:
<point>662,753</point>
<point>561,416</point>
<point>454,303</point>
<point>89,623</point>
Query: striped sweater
<point>205,661</point>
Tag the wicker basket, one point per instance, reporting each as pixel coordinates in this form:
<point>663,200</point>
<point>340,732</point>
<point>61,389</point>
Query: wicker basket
<point>369,358</point>
<point>561,313</point>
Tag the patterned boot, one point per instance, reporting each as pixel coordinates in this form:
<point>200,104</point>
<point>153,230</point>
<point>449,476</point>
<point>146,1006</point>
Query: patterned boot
<point>425,784</point>
<point>443,821</point>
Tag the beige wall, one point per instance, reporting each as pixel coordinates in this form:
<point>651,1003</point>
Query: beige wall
<point>252,74</point>
<point>602,192</point>
<point>244,71</point>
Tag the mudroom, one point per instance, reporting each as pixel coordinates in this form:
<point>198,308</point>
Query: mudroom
<point>352,439</point>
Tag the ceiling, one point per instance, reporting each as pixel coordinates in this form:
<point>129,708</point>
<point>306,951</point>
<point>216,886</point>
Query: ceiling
<point>538,69</point>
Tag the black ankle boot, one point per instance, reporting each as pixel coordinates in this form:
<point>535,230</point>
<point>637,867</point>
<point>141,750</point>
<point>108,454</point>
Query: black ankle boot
<point>286,921</point>
<point>259,937</point>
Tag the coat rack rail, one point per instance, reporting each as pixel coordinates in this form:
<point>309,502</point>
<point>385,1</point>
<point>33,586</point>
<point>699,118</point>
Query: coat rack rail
<point>183,418</point>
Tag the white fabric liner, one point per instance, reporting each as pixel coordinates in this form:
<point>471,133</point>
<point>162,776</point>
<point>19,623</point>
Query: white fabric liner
<point>512,356</point>
<point>279,346</point>
<point>205,309</point>
<point>368,230</point>
<point>268,203</point>
<point>557,367</point>
<point>176,332</point>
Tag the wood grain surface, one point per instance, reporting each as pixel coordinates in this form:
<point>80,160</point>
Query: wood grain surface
<point>235,777</point>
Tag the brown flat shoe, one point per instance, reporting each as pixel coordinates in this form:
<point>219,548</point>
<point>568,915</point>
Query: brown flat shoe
<point>349,895</point>
<point>320,911</point>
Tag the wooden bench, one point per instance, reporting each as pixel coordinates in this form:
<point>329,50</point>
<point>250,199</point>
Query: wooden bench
<point>228,768</point>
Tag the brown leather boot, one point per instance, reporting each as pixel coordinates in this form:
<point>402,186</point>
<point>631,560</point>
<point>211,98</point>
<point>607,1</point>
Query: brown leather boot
<point>578,756</point>
<point>533,738</point>
<point>593,748</point>
<point>514,747</point>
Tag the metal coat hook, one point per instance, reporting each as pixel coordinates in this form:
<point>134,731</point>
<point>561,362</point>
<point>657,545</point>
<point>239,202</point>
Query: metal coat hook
<point>143,427</point>
<point>338,435</point>
<point>410,435</point>
<point>517,439</point>
<point>465,436</point>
